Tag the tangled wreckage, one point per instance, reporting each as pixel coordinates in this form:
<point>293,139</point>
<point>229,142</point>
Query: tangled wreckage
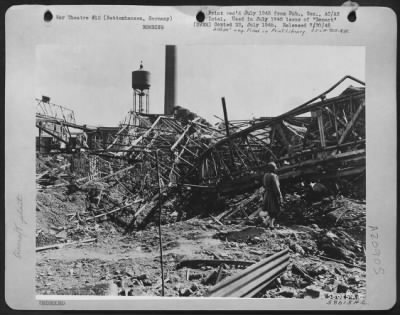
<point>182,164</point>
<point>321,139</point>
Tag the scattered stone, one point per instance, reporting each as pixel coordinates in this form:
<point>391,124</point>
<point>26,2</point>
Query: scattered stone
<point>315,227</point>
<point>341,288</point>
<point>338,271</point>
<point>140,271</point>
<point>185,292</point>
<point>142,277</point>
<point>296,248</point>
<point>301,283</point>
<point>195,276</point>
<point>287,293</point>
<point>212,277</point>
<point>354,280</point>
<point>112,289</point>
<point>255,240</point>
<point>62,234</point>
<point>121,292</point>
<point>147,282</point>
<point>129,274</point>
<point>286,279</point>
<point>313,291</point>
<point>194,287</point>
<point>328,287</point>
<point>224,256</point>
<point>320,270</point>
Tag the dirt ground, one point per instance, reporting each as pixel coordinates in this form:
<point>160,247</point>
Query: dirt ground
<point>326,241</point>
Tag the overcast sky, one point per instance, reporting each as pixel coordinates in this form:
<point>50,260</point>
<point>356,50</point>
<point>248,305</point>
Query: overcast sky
<point>95,80</point>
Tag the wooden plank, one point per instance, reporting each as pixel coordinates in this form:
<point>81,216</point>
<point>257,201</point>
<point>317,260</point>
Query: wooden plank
<point>40,207</point>
<point>219,273</point>
<point>344,155</point>
<point>351,123</point>
<point>216,220</point>
<point>220,216</point>
<point>239,208</point>
<point>183,135</point>
<point>60,245</point>
<point>41,175</point>
<point>51,134</point>
<point>109,176</point>
<point>193,263</point>
<point>255,213</point>
<point>321,129</point>
<point>116,137</point>
<point>299,270</point>
<point>341,262</point>
<point>110,212</point>
<point>282,134</point>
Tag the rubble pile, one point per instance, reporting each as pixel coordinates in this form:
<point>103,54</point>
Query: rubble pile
<point>326,250</point>
<point>99,205</point>
<point>71,207</point>
<point>204,241</point>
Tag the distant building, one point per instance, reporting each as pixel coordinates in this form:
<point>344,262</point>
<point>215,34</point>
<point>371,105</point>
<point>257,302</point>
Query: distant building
<point>101,137</point>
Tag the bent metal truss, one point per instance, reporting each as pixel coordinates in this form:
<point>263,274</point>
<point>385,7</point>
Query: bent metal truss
<point>322,138</point>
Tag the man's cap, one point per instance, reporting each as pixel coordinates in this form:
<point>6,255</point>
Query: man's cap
<point>272,166</point>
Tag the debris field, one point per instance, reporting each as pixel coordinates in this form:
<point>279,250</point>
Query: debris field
<point>104,195</point>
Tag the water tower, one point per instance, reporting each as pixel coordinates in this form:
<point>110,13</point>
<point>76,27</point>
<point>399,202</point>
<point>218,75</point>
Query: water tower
<point>141,87</point>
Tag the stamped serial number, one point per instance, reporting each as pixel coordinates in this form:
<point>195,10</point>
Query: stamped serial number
<point>51,302</point>
<point>345,299</point>
<point>376,252</point>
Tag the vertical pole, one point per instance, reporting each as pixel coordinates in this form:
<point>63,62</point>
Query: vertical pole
<point>134,100</point>
<point>225,116</point>
<point>140,102</point>
<point>335,119</point>
<point>147,101</point>
<point>159,225</point>
<point>40,138</point>
<point>227,130</point>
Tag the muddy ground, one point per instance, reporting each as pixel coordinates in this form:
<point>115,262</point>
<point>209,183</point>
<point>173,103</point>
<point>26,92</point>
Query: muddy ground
<point>326,241</point>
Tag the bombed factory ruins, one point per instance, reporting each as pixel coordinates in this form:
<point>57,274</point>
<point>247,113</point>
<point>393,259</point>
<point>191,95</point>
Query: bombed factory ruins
<point>174,205</point>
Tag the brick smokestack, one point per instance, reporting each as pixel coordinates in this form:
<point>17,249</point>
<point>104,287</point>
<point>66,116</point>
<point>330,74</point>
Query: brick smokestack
<point>170,79</point>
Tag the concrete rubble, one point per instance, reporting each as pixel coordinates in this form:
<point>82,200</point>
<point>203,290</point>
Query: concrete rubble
<point>98,203</point>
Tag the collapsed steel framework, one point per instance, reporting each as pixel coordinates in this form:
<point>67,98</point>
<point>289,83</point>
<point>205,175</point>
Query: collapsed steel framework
<point>323,138</point>
<point>329,142</point>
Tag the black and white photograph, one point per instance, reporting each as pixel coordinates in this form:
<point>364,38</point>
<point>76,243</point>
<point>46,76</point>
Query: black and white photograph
<point>201,171</point>
<point>159,159</point>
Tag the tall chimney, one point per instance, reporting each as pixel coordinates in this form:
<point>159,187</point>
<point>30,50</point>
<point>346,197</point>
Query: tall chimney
<point>170,79</point>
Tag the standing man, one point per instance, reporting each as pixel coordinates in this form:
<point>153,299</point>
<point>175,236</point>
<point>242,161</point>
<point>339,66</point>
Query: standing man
<point>272,196</point>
